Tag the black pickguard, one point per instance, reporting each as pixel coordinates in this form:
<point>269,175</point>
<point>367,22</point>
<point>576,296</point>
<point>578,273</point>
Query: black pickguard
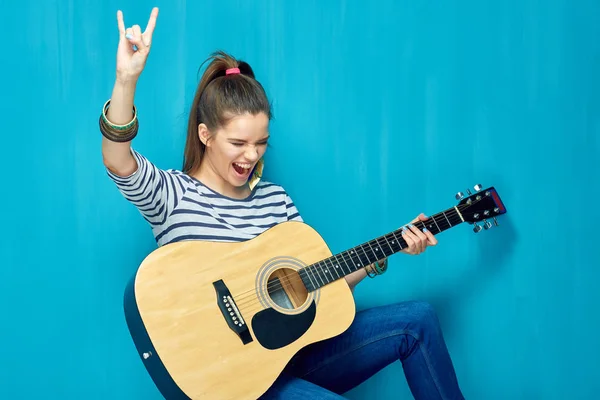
<point>274,330</point>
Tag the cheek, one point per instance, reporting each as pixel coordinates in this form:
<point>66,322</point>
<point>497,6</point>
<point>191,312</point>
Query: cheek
<point>230,154</point>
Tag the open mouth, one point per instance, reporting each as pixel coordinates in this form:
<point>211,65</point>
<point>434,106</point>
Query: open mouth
<point>242,169</point>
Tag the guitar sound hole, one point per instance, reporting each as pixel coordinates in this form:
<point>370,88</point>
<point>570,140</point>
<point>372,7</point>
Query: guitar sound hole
<point>286,289</point>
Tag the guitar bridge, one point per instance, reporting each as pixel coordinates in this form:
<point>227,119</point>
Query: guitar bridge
<point>231,313</point>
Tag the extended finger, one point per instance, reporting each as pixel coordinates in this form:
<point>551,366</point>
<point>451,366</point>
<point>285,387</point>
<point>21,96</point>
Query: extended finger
<point>151,22</point>
<point>120,22</point>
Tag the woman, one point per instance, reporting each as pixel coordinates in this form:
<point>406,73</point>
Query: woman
<point>218,195</point>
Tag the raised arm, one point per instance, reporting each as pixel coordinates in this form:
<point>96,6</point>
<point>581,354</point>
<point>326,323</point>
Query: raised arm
<point>132,53</point>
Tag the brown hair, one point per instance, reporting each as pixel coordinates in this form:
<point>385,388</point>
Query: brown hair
<point>220,97</point>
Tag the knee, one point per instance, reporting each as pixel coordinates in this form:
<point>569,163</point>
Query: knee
<point>423,317</point>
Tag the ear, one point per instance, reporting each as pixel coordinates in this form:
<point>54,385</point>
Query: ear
<point>203,134</point>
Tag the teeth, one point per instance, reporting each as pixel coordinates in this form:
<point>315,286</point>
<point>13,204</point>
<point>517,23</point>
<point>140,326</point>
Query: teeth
<point>245,166</point>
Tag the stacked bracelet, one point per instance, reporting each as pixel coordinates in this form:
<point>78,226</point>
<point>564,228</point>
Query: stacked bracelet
<point>376,269</point>
<point>370,272</point>
<point>118,133</point>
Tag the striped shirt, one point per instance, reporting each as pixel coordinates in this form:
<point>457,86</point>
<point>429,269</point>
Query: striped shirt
<point>179,207</point>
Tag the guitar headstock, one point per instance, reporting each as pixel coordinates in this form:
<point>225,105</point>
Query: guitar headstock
<point>480,207</point>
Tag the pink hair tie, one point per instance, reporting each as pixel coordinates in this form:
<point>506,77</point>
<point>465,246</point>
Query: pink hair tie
<point>232,71</point>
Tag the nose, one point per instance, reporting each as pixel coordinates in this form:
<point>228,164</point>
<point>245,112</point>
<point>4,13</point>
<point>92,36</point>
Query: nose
<point>252,153</point>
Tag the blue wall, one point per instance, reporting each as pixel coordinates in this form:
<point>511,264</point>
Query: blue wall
<point>382,111</point>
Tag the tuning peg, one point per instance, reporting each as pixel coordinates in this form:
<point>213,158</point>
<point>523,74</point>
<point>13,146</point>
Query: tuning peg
<point>478,187</point>
<point>495,221</point>
<point>476,228</point>
<point>487,224</point>
<point>468,192</point>
<point>459,196</point>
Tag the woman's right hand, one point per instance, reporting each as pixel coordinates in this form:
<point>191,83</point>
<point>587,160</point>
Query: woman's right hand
<point>130,60</point>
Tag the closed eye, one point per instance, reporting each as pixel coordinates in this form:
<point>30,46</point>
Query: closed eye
<point>239,144</point>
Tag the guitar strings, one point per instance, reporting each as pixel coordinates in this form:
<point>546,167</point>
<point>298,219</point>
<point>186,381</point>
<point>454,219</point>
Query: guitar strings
<point>242,299</point>
<point>345,256</point>
<point>274,285</point>
<point>254,301</point>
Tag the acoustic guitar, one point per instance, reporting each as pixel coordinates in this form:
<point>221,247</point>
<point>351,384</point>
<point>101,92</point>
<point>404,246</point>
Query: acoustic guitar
<point>215,320</point>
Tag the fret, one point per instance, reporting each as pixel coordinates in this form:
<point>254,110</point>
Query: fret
<point>389,253</point>
<point>390,250</point>
<point>317,274</point>
<point>357,260</point>
<point>380,249</point>
<point>374,258</point>
<point>375,249</point>
<point>430,226</point>
<point>305,276</point>
<point>442,217</point>
<point>350,261</point>
<point>327,271</point>
<point>449,224</point>
<point>320,273</point>
<point>436,224</point>
<point>367,256</point>
<point>335,266</point>
<point>442,222</point>
<point>397,243</point>
<point>344,263</point>
<point>347,266</point>
<point>309,272</point>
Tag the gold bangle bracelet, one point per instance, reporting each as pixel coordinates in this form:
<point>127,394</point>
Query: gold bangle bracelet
<point>114,126</point>
<point>118,133</point>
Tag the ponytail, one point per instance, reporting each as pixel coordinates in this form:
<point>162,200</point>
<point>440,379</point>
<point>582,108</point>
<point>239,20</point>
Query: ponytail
<point>219,97</point>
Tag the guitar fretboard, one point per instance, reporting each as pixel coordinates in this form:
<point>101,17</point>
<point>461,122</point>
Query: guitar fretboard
<point>339,265</point>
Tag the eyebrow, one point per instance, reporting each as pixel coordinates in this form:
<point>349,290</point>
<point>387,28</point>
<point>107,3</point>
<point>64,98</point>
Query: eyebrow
<point>244,141</point>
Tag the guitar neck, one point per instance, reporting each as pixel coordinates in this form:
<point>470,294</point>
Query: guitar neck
<point>346,262</point>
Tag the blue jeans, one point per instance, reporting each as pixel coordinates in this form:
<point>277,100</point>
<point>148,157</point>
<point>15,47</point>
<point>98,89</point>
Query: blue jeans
<point>409,332</point>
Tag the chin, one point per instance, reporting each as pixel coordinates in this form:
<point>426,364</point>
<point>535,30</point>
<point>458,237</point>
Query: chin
<point>237,183</point>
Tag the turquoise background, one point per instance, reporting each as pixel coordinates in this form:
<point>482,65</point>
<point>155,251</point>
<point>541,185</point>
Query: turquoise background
<point>383,110</point>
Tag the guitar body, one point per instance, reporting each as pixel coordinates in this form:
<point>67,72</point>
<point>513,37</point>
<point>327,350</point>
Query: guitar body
<point>220,321</point>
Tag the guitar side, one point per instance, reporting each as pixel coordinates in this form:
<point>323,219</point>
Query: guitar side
<point>186,344</point>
